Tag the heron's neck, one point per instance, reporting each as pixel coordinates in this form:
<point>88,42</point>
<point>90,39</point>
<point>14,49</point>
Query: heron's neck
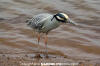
<point>55,22</point>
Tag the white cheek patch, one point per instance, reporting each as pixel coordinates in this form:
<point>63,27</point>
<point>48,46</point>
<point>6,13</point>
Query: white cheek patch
<point>65,15</point>
<point>60,18</point>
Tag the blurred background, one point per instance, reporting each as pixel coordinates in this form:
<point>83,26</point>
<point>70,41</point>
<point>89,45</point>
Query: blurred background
<point>81,42</point>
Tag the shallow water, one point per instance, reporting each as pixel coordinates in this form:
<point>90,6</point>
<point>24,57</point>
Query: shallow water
<point>82,41</point>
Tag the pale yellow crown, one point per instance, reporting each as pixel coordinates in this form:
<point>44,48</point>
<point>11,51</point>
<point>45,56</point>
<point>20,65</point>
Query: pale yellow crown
<point>66,16</point>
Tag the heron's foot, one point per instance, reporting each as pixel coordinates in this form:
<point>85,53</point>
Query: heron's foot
<point>46,56</point>
<point>37,56</point>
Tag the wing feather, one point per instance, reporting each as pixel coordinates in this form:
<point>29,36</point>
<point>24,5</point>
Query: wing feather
<point>37,21</point>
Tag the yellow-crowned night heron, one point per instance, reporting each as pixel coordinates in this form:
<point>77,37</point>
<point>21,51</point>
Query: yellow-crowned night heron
<point>43,23</point>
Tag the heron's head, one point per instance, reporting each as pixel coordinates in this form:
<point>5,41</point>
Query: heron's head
<point>63,18</point>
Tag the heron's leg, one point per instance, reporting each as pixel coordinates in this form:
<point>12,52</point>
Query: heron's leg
<point>45,41</point>
<point>38,47</point>
<point>38,37</point>
<point>34,33</point>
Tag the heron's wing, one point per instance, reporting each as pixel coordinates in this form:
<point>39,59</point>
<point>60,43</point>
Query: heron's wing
<point>38,20</point>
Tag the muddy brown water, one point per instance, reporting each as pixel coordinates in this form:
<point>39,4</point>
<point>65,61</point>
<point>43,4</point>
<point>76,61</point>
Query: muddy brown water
<point>78,42</point>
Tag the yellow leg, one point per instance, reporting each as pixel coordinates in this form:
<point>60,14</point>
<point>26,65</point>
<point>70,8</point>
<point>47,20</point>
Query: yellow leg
<point>45,41</point>
<point>38,47</point>
<point>38,38</point>
<point>34,33</point>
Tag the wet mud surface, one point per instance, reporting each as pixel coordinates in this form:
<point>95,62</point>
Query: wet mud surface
<point>67,43</point>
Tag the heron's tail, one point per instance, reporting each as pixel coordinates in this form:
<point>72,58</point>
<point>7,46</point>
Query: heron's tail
<point>29,22</point>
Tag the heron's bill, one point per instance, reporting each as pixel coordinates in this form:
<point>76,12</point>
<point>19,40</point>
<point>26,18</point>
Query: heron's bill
<point>72,22</point>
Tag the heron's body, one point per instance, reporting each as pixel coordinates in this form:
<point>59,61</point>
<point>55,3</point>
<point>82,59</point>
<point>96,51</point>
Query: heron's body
<point>42,23</point>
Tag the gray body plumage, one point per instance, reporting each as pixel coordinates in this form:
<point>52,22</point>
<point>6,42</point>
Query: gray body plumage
<point>42,23</point>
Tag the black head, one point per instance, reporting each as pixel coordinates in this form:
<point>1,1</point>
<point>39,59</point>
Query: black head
<point>61,17</point>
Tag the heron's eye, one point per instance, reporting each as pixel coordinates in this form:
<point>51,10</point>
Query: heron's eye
<point>60,18</point>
